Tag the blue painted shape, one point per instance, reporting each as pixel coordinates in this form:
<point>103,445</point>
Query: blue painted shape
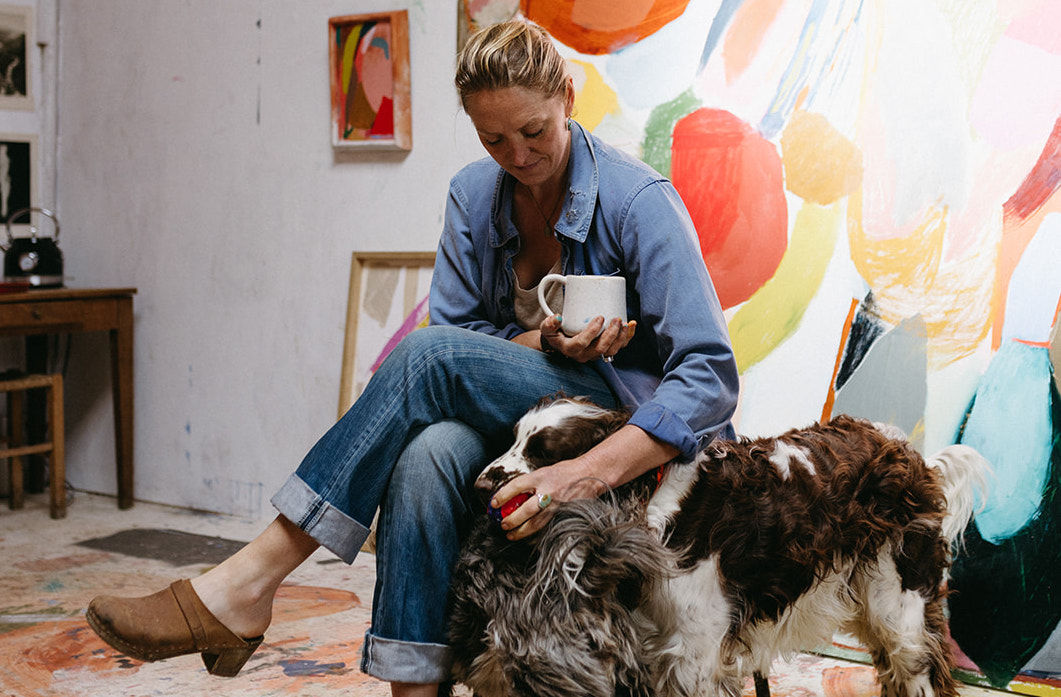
<point>1035,285</point>
<point>718,26</point>
<point>890,383</point>
<point>811,60</point>
<point>1010,425</point>
<point>380,42</point>
<point>297,668</point>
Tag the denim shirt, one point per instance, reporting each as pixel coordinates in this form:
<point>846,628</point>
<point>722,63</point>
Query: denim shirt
<point>619,216</point>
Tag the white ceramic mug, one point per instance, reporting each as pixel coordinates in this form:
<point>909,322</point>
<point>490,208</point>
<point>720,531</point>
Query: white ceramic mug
<point>586,297</point>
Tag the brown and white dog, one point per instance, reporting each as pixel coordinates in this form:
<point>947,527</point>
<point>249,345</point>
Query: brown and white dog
<point>756,548</point>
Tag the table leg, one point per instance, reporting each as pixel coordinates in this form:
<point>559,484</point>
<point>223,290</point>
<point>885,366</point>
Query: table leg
<point>15,421</point>
<point>58,454</point>
<point>121,340</point>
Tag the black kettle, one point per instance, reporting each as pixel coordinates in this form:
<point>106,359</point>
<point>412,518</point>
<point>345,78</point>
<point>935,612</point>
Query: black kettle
<point>34,260</point>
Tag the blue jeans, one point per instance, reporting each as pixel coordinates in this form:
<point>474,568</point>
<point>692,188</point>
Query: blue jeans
<point>436,411</point>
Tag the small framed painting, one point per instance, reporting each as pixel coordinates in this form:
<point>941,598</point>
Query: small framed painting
<point>16,35</point>
<point>369,61</point>
<point>18,159</point>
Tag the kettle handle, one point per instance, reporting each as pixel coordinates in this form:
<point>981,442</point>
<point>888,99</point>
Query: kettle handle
<point>32,229</point>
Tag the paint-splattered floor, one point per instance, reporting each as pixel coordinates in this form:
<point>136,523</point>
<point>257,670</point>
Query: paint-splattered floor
<point>51,569</point>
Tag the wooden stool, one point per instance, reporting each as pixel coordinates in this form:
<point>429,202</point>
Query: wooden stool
<point>16,450</point>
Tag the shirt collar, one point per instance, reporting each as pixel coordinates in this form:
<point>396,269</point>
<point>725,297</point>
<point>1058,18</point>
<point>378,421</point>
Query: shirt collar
<point>579,201</point>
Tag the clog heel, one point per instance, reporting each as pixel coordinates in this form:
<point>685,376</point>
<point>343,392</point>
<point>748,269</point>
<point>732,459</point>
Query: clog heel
<point>172,622</point>
<point>227,663</point>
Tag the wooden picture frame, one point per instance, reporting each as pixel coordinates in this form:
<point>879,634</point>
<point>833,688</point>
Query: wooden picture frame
<point>16,42</point>
<point>18,158</point>
<point>368,57</point>
<point>386,300</point>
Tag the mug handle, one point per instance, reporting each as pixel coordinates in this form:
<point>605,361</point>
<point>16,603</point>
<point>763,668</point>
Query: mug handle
<point>549,278</point>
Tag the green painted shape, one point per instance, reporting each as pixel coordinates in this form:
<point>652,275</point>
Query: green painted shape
<point>1006,599</point>
<point>656,148</point>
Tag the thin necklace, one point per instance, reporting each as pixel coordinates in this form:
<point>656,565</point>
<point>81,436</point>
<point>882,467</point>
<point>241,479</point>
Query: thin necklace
<point>546,218</point>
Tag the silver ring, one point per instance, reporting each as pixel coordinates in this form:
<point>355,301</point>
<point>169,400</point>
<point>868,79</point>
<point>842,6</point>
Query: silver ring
<point>607,359</point>
<point>544,500</point>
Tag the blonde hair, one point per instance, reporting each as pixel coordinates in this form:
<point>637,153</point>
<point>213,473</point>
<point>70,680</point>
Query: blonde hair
<point>510,54</point>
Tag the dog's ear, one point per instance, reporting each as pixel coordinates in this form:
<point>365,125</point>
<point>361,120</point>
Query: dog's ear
<point>612,422</point>
<point>595,549</point>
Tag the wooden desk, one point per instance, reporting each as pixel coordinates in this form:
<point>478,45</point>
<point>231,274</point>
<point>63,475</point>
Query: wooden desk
<point>37,313</point>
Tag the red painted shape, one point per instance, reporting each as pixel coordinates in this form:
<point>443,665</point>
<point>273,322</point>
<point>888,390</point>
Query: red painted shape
<point>731,180</point>
<point>1041,182</point>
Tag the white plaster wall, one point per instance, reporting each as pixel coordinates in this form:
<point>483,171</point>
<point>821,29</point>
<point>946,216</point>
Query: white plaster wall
<point>194,163</point>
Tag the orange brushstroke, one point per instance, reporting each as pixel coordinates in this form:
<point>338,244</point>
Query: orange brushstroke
<point>46,648</point>
<point>746,33</point>
<point>301,602</point>
<point>597,27</point>
<point>830,398</point>
<point>1022,214</point>
<point>850,681</point>
<point>908,278</point>
<point>1017,234</point>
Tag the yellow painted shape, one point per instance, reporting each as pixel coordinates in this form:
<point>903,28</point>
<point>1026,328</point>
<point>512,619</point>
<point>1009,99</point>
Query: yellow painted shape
<point>1032,688</point>
<point>594,99</point>
<point>907,278</point>
<point>821,165</point>
<point>349,49</point>
<point>774,312</point>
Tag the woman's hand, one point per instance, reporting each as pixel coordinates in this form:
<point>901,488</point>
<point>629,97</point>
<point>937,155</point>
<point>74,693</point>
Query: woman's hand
<point>591,342</point>
<point>566,480</point>
<point>617,459</point>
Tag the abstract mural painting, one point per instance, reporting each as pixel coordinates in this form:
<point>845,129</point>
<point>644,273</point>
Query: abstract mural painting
<point>875,188</point>
<point>369,69</point>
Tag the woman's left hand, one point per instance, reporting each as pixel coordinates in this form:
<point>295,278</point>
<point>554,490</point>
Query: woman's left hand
<point>563,481</point>
<point>595,341</point>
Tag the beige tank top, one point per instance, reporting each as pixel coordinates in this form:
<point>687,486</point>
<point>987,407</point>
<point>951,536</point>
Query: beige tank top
<point>529,314</point>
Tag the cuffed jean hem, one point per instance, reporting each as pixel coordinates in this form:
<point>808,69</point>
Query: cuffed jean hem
<point>393,660</point>
<point>333,529</point>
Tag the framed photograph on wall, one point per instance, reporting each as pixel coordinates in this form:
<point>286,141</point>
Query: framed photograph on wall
<point>387,300</point>
<point>18,178</point>
<point>369,62</point>
<point>16,36</point>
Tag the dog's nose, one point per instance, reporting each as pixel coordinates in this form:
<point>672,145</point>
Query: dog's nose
<point>489,481</point>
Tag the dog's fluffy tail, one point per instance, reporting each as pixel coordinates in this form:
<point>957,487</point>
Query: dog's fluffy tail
<point>964,474</point>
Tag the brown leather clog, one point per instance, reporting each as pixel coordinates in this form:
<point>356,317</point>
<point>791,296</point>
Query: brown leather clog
<point>172,622</point>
